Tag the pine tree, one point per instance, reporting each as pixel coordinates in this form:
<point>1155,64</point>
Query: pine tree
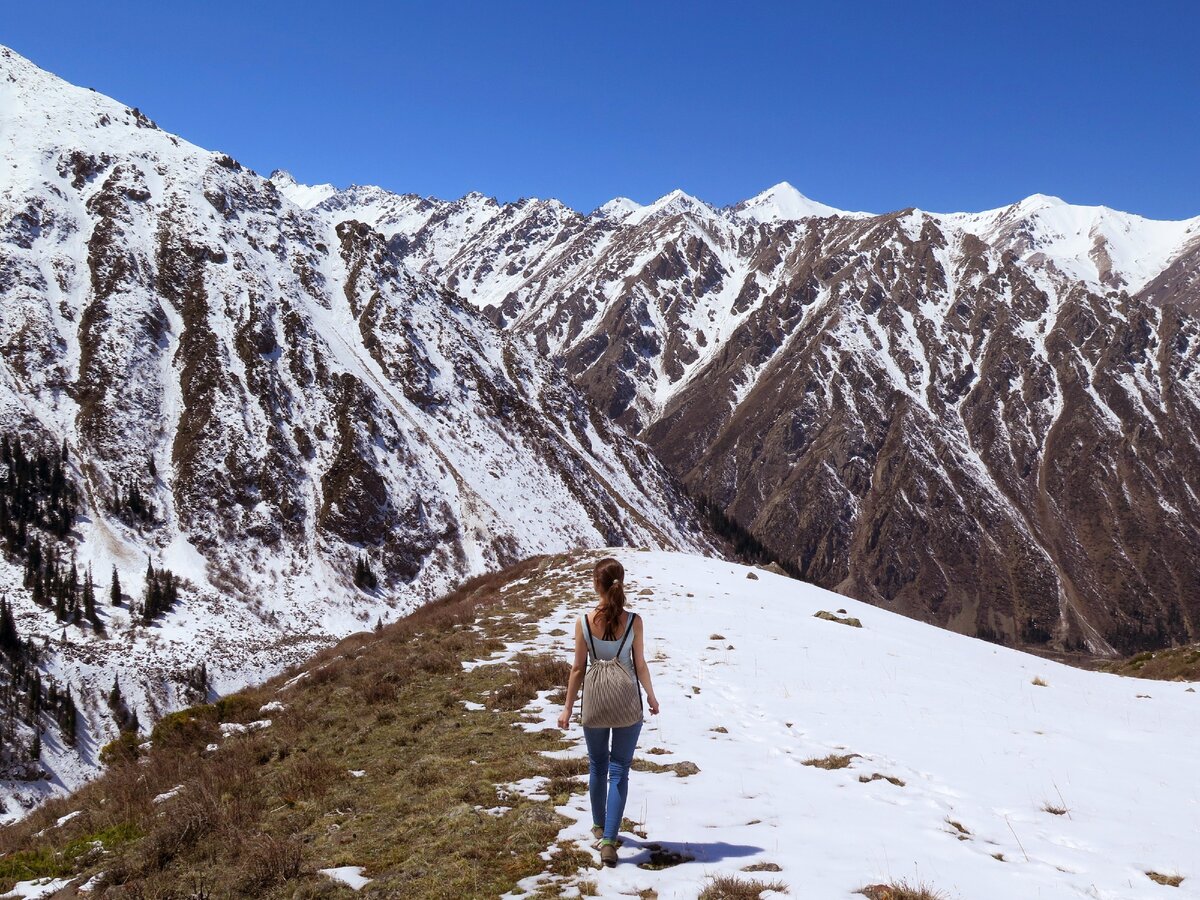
<point>115,591</point>
<point>35,749</point>
<point>10,641</point>
<point>89,599</point>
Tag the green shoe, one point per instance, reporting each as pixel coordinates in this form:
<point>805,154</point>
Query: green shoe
<point>598,836</point>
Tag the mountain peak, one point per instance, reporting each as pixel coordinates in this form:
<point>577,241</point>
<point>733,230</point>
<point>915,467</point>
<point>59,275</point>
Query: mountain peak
<point>618,208</point>
<point>305,196</point>
<point>783,203</point>
<point>677,202</point>
<point>1034,202</point>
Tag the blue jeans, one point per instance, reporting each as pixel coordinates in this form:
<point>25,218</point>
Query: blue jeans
<point>608,770</point>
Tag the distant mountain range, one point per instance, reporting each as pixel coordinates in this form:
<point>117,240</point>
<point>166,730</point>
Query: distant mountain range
<point>987,420</point>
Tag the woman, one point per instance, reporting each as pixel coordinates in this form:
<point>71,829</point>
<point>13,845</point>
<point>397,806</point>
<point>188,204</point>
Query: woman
<point>610,750</point>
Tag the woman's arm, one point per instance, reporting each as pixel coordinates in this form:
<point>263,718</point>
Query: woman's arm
<point>643,671</point>
<point>577,670</point>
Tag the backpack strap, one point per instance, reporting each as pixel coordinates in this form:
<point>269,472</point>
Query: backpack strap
<point>591,640</point>
<point>625,636</point>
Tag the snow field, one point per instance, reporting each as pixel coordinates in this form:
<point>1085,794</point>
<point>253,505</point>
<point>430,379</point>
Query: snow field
<point>986,756</point>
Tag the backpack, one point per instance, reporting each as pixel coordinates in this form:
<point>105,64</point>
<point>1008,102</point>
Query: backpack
<point>612,697</point>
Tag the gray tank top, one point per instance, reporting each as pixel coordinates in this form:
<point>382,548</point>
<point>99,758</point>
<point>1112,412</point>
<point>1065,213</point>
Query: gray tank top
<point>608,649</point>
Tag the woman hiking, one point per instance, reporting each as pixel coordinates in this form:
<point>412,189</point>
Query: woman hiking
<point>612,700</point>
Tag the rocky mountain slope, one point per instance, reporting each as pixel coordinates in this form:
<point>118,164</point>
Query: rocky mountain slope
<point>264,403</point>
<point>793,749</point>
<point>987,420</point>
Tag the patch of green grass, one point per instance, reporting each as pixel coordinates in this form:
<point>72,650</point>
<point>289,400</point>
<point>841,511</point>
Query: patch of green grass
<point>47,862</point>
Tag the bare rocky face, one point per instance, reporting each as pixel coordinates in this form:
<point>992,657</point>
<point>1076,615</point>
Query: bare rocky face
<point>911,415</point>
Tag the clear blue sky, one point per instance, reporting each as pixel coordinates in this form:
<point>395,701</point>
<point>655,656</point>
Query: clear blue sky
<point>875,106</point>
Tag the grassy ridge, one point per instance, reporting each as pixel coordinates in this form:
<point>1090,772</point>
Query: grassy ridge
<point>260,814</point>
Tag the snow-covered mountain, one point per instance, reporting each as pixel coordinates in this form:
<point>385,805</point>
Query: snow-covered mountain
<point>261,400</point>
<point>1100,247</point>
<point>783,203</point>
<point>988,420</point>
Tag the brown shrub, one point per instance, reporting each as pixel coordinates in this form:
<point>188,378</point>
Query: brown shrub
<point>305,776</point>
<point>376,690</point>
<point>270,860</point>
<point>533,674</point>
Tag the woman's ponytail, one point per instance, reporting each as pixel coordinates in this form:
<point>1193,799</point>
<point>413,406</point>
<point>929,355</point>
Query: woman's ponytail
<point>609,580</point>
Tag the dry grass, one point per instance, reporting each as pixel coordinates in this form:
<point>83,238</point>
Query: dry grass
<point>834,617</point>
<point>733,887</point>
<point>1168,880</point>
<point>534,674</point>
<point>1054,809</point>
<point>1038,681</point>
<point>262,813</point>
<point>900,890</point>
<point>832,761</point>
<point>876,776</point>
<point>1172,664</point>
<point>960,828</point>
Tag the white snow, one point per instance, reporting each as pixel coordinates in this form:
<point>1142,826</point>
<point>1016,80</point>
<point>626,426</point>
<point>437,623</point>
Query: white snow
<point>37,889</point>
<point>348,875</point>
<point>306,196</point>
<point>958,720</point>
<point>357,773</point>
<point>783,203</point>
<point>167,795</point>
<point>618,208</point>
<point>1077,238</point>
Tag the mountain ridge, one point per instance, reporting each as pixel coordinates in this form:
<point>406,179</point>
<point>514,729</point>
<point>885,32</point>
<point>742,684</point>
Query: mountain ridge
<point>259,402</point>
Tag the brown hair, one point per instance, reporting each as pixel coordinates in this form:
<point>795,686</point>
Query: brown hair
<point>608,578</point>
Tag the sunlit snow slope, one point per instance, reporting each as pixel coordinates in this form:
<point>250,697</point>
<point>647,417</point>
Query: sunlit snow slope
<point>959,721</point>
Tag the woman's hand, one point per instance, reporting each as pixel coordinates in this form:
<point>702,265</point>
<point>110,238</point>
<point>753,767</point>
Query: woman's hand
<point>652,702</point>
<point>564,718</point>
